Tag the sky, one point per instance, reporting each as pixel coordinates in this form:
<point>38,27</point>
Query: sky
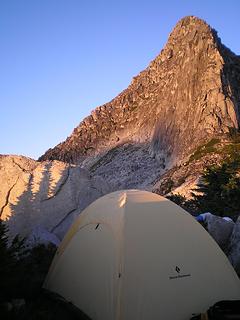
<point>60,59</point>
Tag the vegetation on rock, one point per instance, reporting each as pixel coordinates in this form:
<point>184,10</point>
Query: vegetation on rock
<point>204,149</point>
<point>219,191</point>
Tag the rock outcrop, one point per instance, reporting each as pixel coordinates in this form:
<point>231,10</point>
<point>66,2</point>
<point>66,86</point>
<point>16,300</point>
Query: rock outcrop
<point>45,195</point>
<point>187,95</point>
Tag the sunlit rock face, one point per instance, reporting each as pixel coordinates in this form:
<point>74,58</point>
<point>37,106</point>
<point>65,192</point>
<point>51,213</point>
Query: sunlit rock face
<point>143,138</point>
<point>188,94</point>
<point>47,194</point>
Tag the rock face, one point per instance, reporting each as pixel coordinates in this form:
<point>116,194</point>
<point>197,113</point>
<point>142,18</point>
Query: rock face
<point>187,95</point>
<point>46,195</point>
<point>128,166</point>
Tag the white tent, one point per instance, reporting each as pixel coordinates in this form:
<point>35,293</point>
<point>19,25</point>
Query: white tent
<point>134,255</point>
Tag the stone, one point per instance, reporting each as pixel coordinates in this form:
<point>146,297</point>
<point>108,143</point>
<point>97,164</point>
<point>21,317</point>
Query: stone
<point>220,229</point>
<point>234,247</point>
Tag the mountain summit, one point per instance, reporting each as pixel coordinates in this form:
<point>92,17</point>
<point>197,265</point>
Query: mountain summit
<point>187,95</point>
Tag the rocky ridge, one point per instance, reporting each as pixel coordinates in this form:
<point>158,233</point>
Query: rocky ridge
<point>187,95</point>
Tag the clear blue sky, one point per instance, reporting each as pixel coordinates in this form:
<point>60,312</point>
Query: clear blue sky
<point>59,59</point>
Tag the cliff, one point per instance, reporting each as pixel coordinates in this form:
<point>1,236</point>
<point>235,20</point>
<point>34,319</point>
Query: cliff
<point>47,195</point>
<point>187,95</point>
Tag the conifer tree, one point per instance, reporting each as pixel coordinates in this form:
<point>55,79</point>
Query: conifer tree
<point>9,259</point>
<point>220,189</point>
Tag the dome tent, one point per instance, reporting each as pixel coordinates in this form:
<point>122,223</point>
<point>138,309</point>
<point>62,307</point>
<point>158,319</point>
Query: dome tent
<point>136,255</point>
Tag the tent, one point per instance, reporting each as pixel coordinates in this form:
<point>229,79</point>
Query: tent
<point>134,255</point>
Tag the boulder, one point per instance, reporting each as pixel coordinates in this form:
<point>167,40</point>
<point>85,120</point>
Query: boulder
<point>48,194</point>
<point>234,247</point>
<point>220,229</point>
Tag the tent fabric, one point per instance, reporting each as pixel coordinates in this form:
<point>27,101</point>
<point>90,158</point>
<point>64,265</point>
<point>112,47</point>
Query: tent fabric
<point>136,255</point>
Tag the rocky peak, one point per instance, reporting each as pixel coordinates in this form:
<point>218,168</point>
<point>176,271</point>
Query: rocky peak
<point>188,94</point>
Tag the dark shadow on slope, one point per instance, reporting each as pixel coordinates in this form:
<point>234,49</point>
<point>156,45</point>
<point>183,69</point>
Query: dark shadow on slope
<point>230,77</point>
<point>28,273</point>
<point>23,210</point>
<point>129,165</point>
<point>30,207</point>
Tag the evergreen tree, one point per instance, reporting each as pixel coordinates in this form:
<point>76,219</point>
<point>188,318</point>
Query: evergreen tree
<point>9,257</point>
<point>220,189</point>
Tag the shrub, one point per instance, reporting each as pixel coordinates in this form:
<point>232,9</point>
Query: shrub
<point>204,150</point>
<point>9,256</point>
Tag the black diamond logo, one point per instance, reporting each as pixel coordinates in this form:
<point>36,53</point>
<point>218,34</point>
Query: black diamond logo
<point>177,269</point>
